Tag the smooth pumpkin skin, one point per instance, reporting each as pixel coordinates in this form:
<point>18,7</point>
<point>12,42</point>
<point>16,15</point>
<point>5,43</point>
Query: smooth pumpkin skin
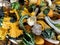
<point>39,40</point>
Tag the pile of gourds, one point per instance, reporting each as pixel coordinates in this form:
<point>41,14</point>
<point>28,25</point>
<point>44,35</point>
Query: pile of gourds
<point>30,22</point>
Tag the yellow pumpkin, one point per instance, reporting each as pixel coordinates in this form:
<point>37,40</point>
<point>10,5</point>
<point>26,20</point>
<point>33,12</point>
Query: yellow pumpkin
<point>39,40</point>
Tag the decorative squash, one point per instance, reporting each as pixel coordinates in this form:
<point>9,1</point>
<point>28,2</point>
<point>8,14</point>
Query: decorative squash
<point>44,25</point>
<point>39,40</point>
<point>15,31</point>
<point>50,14</point>
<point>3,33</point>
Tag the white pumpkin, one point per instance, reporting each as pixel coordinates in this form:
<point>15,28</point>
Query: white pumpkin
<point>31,21</point>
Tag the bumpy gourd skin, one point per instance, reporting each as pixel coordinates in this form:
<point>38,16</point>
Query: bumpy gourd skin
<point>3,33</point>
<point>15,31</point>
<point>12,28</point>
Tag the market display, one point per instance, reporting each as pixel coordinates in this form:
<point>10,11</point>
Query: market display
<point>30,22</point>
